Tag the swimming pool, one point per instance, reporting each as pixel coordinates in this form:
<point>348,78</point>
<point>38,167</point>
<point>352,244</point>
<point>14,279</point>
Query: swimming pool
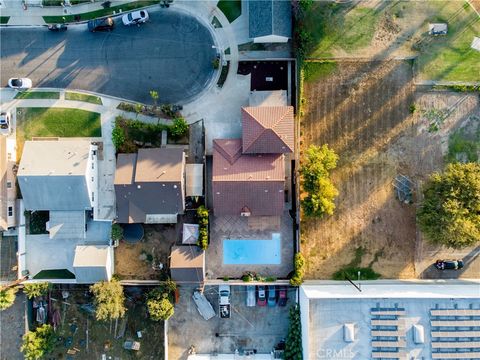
<point>252,252</point>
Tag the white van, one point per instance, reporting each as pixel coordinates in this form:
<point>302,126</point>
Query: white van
<point>251,295</point>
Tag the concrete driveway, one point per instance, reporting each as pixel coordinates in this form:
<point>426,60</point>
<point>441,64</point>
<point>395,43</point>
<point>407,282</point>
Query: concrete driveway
<point>171,54</point>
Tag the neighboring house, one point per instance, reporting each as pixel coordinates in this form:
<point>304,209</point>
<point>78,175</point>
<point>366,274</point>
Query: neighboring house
<point>394,319</point>
<point>8,191</point>
<point>270,21</point>
<point>150,186</point>
<point>61,177</point>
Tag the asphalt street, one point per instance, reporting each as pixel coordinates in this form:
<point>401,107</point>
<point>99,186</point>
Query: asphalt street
<point>171,54</point>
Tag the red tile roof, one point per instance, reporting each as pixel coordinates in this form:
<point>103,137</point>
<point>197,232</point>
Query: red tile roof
<point>268,129</point>
<point>248,181</point>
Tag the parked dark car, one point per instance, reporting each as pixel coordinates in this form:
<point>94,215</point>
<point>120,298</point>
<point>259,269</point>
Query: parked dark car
<point>272,295</point>
<point>261,296</point>
<point>103,24</point>
<point>282,296</point>
<point>449,264</point>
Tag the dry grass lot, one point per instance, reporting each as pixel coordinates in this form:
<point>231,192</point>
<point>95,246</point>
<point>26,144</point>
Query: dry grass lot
<point>362,110</point>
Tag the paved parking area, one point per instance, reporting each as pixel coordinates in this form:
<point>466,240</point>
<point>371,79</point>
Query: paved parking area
<point>12,328</point>
<point>256,327</point>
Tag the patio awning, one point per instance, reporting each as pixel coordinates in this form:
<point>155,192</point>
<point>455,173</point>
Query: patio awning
<point>194,179</point>
<point>190,234</point>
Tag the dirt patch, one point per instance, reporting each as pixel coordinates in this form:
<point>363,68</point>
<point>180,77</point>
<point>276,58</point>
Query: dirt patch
<point>141,261</point>
<point>364,112</point>
<point>104,337</point>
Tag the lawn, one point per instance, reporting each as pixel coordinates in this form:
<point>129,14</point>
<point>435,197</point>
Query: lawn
<point>338,26</point>
<point>99,13</point>
<point>384,29</point>
<point>83,97</point>
<point>55,122</point>
<point>38,95</point>
<point>231,8</point>
<point>317,70</point>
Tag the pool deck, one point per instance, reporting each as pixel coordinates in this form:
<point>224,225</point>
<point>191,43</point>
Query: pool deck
<point>238,228</point>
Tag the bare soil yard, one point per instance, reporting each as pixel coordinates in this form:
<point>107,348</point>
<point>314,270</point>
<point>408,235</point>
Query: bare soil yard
<point>135,261</point>
<point>363,110</point>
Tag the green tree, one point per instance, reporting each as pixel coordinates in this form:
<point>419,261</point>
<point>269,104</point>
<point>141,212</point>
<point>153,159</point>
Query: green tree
<point>316,182</point>
<point>38,343</point>
<point>7,297</point>
<point>450,211</point>
<point>160,301</point>
<point>293,343</point>
<point>109,300</point>
<point>36,289</point>
<point>179,127</point>
<point>117,232</point>
<point>138,109</point>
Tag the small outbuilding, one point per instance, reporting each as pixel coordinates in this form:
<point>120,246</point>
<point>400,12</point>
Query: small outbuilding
<point>93,263</point>
<point>437,29</point>
<point>476,43</point>
<point>187,264</point>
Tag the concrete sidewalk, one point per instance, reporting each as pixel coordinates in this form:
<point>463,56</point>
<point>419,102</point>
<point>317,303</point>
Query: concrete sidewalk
<point>28,15</point>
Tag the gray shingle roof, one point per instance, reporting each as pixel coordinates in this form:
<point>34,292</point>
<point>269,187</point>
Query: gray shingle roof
<point>270,17</point>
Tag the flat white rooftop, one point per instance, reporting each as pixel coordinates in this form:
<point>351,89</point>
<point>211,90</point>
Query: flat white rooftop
<point>52,157</point>
<point>384,314</point>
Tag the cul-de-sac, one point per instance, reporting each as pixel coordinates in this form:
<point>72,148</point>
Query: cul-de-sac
<point>239,179</point>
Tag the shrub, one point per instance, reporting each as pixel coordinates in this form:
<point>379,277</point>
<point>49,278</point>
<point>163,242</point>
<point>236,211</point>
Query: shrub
<point>109,300</point>
<point>293,343</point>
<point>38,343</point>
<point>117,232</point>
<point>412,108</point>
<point>298,270</point>
<point>216,63</point>
<point>316,181</point>
<point>36,289</point>
<point>7,297</point>
<point>248,277</point>
<point>450,211</point>
<point>202,215</point>
<point>178,128</point>
<point>118,136</point>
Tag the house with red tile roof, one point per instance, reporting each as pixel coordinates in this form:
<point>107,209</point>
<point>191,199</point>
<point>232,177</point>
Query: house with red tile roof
<point>249,173</point>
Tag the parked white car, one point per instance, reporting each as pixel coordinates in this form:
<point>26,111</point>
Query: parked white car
<point>135,18</point>
<point>5,123</point>
<point>20,83</point>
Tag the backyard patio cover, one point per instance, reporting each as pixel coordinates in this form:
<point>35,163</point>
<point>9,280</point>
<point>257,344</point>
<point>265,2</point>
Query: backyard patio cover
<point>194,179</point>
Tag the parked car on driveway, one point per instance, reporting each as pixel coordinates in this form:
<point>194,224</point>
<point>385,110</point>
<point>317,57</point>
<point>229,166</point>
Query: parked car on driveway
<point>449,264</point>
<point>272,295</point>
<point>250,295</point>
<point>102,24</point>
<point>261,296</point>
<point>5,123</point>
<point>282,296</point>
<point>135,18</point>
<point>20,83</point>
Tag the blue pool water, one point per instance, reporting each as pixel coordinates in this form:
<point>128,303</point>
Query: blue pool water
<point>252,252</point>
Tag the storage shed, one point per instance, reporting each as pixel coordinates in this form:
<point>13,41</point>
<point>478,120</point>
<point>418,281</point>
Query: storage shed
<point>93,263</point>
<point>187,264</point>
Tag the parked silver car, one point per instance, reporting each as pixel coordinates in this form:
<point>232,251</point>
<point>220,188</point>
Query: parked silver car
<point>5,127</point>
